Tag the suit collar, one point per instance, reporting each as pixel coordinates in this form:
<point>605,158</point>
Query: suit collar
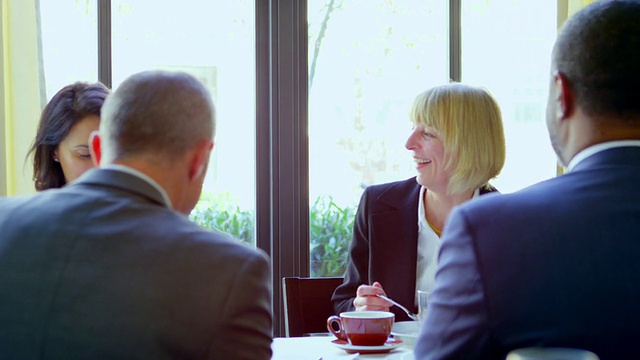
<point>116,178</point>
<point>142,176</point>
<point>627,155</point>
<point>594,149</point>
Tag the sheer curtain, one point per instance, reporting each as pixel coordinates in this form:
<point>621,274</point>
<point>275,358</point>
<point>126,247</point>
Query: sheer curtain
<point>566,8</point>
<point>20,93</point>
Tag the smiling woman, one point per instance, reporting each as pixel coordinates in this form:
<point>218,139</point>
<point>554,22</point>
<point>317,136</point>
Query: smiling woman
<point>61,152</point>
<point>458,146</point>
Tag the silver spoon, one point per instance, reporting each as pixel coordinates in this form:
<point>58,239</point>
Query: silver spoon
<point>410,314</point>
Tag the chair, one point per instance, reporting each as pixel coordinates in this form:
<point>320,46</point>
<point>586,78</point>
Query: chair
<point>551,353</point>
<point>307,304</point>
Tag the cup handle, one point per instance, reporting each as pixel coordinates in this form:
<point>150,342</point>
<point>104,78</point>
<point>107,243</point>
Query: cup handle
<point>334,319</point>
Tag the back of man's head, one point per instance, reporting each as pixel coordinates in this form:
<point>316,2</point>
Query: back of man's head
<point>155,114</point>
<point>598,51</point>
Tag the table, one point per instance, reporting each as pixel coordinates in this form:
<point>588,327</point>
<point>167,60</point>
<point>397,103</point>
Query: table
<point>320,347</point>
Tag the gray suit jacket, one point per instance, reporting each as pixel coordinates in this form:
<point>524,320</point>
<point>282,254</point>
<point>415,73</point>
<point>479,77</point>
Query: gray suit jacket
<point>103,269</point>
<point>556,265</point>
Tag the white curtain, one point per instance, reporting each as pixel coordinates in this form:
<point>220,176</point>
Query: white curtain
<point>566,8</point>
<point>20,93</point>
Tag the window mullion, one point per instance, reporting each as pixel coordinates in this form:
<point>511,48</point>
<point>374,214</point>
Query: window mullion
<point>282,216</point>
<point>104,43</point>
<point>455,40</point>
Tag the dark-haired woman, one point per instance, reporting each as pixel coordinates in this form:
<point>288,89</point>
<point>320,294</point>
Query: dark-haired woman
<point>61,151</point>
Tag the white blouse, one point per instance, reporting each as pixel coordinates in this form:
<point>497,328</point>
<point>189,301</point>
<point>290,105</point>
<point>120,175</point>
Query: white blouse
<point>428,247</point>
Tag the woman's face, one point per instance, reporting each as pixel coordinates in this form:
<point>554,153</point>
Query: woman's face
<point>428,154</point>
<point>73,151</point>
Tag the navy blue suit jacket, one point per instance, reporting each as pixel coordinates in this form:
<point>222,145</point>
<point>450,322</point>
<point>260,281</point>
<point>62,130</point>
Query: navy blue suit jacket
<point>555,264</point>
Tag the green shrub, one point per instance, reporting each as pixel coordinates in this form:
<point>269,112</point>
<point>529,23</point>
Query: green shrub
<point>217,212</point>
<point>330,229</point>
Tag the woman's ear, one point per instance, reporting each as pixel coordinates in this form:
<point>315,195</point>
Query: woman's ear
<point>94,148</point>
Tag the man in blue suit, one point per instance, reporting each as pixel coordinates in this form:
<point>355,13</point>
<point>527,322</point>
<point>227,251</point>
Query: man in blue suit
<point>557,264</point>
<point>110,266</point>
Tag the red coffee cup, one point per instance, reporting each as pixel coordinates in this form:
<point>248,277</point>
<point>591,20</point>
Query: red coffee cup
<point>363,328</point>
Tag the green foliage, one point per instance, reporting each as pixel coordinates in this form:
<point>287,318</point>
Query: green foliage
<point>218,213</point>
<point>330,229</point>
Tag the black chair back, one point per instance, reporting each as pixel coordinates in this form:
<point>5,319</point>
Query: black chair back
<point>307,304</point>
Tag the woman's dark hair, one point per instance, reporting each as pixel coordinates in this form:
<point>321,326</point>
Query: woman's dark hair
<point>68,106</point>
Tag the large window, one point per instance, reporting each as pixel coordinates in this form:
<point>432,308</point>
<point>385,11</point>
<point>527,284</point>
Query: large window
<point>506,47</point>
<point>367,61</point>
<point>69,34</point>
<point>362,79</point>
<point>313,96</point>
<point>217,45</point>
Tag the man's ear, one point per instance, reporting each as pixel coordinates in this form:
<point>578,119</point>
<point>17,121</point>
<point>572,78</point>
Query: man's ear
<point>563,95</point>
<point>200,159</point>
<point>94,148</point>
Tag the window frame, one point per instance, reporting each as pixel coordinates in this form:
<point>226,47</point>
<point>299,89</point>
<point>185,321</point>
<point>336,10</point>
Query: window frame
<point>282,146</point>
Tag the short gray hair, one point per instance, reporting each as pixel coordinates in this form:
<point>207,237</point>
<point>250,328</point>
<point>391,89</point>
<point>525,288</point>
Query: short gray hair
<point>156,113</point>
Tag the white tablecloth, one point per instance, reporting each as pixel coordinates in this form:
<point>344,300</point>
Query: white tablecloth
<point>320,347</point>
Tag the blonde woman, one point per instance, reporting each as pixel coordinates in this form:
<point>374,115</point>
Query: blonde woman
<point>458,145</point>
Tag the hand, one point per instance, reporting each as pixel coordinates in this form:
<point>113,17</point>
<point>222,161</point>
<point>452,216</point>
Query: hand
<point>366,298</point>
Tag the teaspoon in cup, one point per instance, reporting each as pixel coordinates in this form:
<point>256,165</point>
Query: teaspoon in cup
<point>410,314</point>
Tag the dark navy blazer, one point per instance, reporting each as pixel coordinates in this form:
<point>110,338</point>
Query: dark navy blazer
<point>555,264</point>
<point>384,247</point>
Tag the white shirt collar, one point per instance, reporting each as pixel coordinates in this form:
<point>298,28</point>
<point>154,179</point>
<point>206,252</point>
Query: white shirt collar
<point>142,176</point>
<point>591,150</point>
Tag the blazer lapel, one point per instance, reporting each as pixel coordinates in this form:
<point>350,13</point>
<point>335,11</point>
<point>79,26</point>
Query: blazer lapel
<point>396,260</point>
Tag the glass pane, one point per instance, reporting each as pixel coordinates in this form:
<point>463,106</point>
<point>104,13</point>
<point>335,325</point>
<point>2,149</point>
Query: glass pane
<point>69,36</point>
<point>368,59</point>
<point>215,42</point>
<point>506,47</point>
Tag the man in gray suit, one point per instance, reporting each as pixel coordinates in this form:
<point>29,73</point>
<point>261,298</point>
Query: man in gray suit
<point>111,267</point>
<point>557,264</point>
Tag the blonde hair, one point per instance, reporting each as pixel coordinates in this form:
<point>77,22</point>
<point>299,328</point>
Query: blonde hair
<point>470,124</point>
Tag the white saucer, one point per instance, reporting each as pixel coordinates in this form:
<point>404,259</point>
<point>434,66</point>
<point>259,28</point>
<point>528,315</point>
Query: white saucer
<point>407,331</point>
<point>388,346</point>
